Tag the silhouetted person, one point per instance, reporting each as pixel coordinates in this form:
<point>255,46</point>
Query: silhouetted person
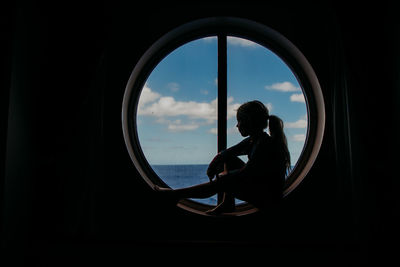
<point>260,181</point>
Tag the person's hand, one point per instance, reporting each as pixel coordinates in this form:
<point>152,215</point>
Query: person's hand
<point>212,167</point>
<point>221,174</point>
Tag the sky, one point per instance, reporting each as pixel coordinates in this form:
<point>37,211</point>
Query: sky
<point>177,111</point>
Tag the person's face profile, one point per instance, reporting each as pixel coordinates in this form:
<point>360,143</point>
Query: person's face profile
<point>242,128</point>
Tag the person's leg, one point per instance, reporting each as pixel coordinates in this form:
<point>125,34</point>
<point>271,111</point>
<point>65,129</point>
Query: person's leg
<point>204,190</point>
<point>209,189</point>
<point>232,163</point>
<point>227,203</point>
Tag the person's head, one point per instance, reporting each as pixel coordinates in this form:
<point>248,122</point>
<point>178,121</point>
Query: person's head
<point>252,118</point>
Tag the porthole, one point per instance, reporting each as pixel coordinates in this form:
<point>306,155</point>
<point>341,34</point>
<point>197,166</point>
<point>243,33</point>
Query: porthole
<point>173,130</point>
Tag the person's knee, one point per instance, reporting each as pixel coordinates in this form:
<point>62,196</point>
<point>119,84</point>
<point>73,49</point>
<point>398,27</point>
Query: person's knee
<point>234,163</point>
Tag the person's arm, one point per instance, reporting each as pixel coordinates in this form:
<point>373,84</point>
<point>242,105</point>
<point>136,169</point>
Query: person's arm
<point>253,166</point>
<point>236,150</point>
<point>241,148</point>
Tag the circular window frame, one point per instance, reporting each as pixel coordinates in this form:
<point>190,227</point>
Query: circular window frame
<point>241,28</point>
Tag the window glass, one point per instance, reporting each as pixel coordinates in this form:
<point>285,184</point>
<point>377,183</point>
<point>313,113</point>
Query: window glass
<point>177,114</point>
<point>177,111</point>
<point>256,73</point>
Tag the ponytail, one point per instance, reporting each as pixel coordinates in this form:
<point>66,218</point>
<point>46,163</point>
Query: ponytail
<point>277,133</point>
<point>257,117</point>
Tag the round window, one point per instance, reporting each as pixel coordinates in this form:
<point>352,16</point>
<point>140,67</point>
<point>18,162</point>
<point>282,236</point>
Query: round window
<point>181,99</point>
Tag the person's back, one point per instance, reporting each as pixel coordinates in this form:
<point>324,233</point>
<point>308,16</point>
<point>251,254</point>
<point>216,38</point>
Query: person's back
<point>266,173</point>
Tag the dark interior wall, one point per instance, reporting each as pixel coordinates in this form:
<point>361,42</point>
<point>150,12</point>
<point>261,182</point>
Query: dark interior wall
<point>68,178</point>
<point>371,52</point>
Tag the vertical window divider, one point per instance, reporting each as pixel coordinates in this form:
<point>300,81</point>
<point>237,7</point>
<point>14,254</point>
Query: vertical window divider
<point>222,92</point>
<point>222,107</point>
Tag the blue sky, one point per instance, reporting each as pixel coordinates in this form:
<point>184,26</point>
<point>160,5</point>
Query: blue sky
<point>177,108</point>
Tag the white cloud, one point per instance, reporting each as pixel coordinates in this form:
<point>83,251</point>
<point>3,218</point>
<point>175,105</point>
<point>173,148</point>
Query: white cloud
<point>213,131</point>
<point>299,137</point>
<point>209,39</point>
<point>153,104</point>
<point>177,125</point>
<point>269,106</point>
<point>283,87</point>
<point>147,96</point>
<point>302,123</point>
<point>297,98</point>
<point>174,87</point>
<point>241,42</point>
<point>232,41</point>
<point>182,127</point>
<point>167,106</point>
<point>231,130</point>
<point>232,108</point>
<point>191,114</point>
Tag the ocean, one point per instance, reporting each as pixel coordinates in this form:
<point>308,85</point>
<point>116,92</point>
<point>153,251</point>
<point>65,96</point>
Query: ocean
<point>179,176</point>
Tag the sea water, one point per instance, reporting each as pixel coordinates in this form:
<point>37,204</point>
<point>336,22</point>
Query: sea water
<point>179,176</point>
